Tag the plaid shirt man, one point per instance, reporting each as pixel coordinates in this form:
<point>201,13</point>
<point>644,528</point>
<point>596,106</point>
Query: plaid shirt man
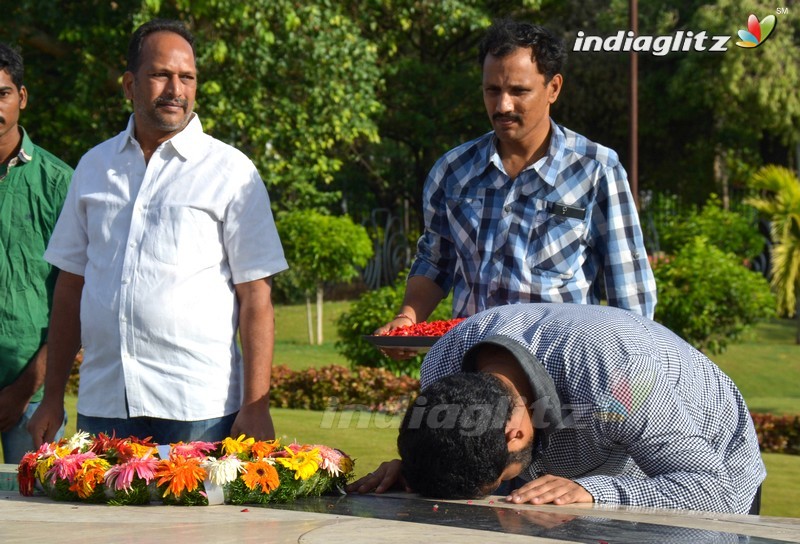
<point>546,236</point>
<point>621,405</point>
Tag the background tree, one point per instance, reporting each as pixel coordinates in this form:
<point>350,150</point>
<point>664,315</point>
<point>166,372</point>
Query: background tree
<point>779,201</point>
<point>431,96</point>
<point>322,249</point>
<point>291,84</point>
<point>747,97</point>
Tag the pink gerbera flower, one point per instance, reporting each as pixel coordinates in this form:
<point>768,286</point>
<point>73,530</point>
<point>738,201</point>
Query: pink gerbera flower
<point>331,459</point>
<point>66,467</point>
<point>192,449</point>
<point>120,477</point>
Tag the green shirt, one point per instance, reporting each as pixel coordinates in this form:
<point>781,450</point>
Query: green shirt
<point>32,191</point>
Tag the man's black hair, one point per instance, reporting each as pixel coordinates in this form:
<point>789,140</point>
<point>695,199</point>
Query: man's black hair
<point>155,25</point>
<point>11,62</point>
<point>506,36</point>
<point>452,438</point>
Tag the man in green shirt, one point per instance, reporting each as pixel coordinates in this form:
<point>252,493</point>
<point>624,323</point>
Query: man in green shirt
<point>33,184</point>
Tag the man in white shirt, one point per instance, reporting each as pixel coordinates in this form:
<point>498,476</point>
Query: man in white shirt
<point>166,247</point>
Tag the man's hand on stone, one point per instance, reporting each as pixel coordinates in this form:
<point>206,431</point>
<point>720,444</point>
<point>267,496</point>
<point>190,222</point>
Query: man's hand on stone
<point>384,478</point>
<point>550,489</point>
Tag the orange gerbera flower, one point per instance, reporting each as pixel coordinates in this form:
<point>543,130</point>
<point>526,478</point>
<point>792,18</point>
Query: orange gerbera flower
<point>263,448</point>
<point>181,473</point>
<point>91,473</point>
<point>261,473</point>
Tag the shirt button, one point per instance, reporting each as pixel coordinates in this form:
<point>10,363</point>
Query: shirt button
<point>635,254</point>
<point>132,244</point>
<point>124,281</point>
<point>507,209</point>
<point>123,319</point>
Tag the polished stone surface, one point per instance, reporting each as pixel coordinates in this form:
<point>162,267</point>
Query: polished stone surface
<point>388,518</point>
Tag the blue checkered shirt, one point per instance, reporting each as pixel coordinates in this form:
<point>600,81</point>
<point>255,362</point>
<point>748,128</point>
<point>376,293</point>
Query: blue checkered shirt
<point>636,415</point>
<point>545,236</point>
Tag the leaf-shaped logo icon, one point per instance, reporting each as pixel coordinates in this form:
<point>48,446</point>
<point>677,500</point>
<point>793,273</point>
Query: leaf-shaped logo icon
<point>757,31</point>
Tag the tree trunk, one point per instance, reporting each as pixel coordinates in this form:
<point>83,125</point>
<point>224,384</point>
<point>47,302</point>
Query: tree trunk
<point>308,318</point>
<point>721,177</point>
<point>319,315</point>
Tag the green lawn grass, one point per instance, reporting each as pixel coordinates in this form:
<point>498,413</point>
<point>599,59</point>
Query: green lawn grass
<point>291,336</point>
<point>766,367</point>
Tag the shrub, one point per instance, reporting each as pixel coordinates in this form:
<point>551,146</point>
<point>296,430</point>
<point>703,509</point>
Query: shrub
<point>708,297</point>
<point>778,434</point>
<point>730,231</point>
<point>316,388</point>
<point>370,311</point>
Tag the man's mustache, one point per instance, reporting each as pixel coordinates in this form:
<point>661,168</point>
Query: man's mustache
<point>506,117</point>
<point>182,102</point>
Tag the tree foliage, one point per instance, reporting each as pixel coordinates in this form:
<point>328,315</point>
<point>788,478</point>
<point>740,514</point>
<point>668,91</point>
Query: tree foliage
<point>345,106</point>
<point>322,249</point>
<point>730,231</point>
<point>779,201</point>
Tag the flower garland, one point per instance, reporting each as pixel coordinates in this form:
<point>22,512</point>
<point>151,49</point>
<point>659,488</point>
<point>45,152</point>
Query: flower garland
<point>103,469</point>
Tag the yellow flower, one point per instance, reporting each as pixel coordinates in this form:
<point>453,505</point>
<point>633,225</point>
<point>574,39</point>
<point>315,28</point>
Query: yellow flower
<point>346,465</point>
<point>91,473</point>
<point>141,451</point>
<point>43,466</point>
<point>235,446</point>
<point>304,463</point>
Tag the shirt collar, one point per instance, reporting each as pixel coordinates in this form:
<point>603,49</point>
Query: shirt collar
<point>26,150</point>
<point>184,143</point>
<point>547,167</point>
<point>24,155</point>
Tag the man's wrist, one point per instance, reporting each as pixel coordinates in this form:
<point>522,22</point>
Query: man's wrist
<point>402,315</point>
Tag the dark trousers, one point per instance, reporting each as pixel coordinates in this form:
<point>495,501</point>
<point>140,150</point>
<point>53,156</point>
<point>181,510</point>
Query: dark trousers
<point>755,508</point>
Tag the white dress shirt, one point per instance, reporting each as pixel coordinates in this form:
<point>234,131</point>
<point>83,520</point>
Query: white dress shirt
<point>160,246</point>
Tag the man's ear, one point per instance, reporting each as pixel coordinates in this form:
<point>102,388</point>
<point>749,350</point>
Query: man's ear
<point>554,88</point>
<point>23,97</point>
<point>514,434</point>
<point>127,85</point>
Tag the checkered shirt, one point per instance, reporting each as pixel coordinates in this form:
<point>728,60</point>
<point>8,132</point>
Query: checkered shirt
<point>646,419</point>
<point>545,236</point>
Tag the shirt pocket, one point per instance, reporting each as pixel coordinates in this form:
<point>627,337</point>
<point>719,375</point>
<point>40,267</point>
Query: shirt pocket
<point>557,238</point>
<point>186,236</point>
